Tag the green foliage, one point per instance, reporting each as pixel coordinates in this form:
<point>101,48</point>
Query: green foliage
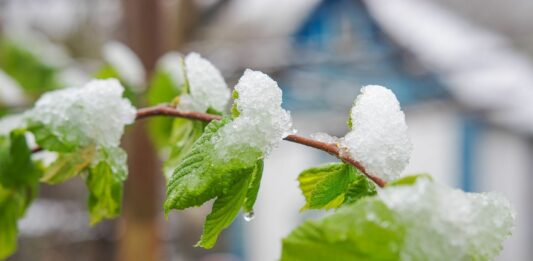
<point>105,184</point>
<point>29,71</point>
<point>16,167</point>
<point>18,185</point>
<point>330,185</point>
<point>68,165</point>
<point>347,234</point>
<point>201,176</point>
<point>48,140</point>
<point>183,134</point>
<point>13,203</point>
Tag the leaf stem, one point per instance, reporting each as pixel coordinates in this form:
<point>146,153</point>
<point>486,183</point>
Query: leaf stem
<point>333,149</point>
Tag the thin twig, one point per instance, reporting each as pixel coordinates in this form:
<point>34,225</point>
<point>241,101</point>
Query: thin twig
<point>327,147</point>
<point>165,110</point>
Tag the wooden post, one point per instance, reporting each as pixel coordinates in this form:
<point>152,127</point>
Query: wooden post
<point>140,222</point>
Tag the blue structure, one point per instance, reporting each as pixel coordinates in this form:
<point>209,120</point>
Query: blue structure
<point>357,52</point>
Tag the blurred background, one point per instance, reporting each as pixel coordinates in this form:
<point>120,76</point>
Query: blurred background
<point>462,71</point>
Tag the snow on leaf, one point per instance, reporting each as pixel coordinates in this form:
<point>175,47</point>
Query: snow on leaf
<point>200,176</point>
<point>95,113</point>
<point>261,123</point>
<point>379,138</point>
<point>422,221</point>
<point>206,84</point>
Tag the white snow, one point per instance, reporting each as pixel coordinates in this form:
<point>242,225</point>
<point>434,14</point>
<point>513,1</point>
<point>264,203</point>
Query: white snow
<point>324,137</point>
<point>262,122</point>
<point>379,138</point>
<point>448,224</point>
<point>11,93</point>
<point>127,64</point>
<point>206,83</point>
<point>173,64</point>
<point>95,113</point>
<point>187,103</point>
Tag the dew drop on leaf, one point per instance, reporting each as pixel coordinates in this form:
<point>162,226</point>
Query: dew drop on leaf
<point>248,216</point>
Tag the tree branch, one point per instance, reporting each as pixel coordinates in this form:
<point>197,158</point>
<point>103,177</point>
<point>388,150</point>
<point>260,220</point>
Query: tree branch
<point>332,149</point>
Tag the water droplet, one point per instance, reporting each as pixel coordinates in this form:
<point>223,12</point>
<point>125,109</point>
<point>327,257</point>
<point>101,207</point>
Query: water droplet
<point>248,216</point>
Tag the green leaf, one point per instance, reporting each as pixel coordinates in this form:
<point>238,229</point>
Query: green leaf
<point>48,140</point>
<point>18,185</point>
<point>359,188</point>
<point>16,167</point>
<point>68,165</point>
<point>253,188</point>
<point>201,176</point>
<point>409,180</point>
<point>13,204</point>
<point>193,181</point>
<point>225,209</point>
<point>330,185</point>
<point>348,234</point>
<point>234,110</point>
<point>105,184</point>
<point>182,137</point>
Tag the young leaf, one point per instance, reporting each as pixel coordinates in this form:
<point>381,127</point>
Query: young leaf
<point>46,138</point>
<point>193,181</point>
<point>200,176</point>
<point>181,139</point>
<point>12,206</point>
<point>225,209</point>
<point>330,185</point>
<point>68,165</point>
<point>105,184</point>
<point>253,188</point>
<point>347,235</point>
<point>422,221</point>
<point>18,184</point>
<point>16,167</point>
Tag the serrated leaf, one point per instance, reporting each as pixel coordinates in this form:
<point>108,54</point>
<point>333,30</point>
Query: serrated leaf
<point>182,137</point>
<point>348,234</point>
<point>193,181</point>
<point>360,187</point>
<point>105,184</point>
<point>201,176</point>
<point>16,167</point>
<point>68,165</point>
<point>253,187</point>
<point>224,211</point>
<point>327,186</point>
